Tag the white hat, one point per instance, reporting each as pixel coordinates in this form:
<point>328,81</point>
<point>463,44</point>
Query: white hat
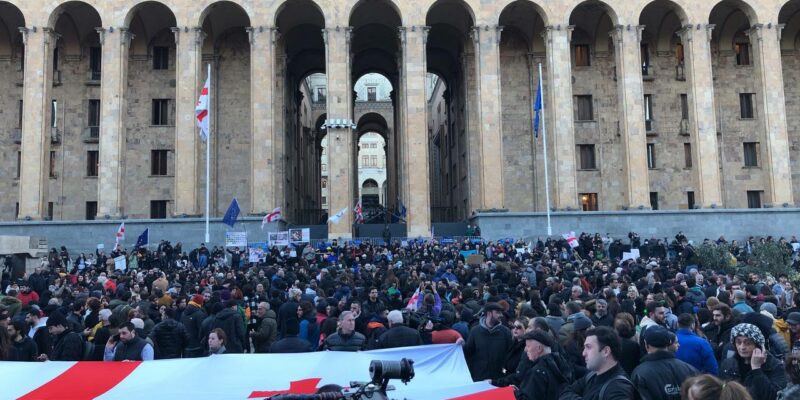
<point>395,317</point>
<point>137,323</point>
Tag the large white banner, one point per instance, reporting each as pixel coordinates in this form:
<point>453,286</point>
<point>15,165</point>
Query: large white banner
<point>440,373</point>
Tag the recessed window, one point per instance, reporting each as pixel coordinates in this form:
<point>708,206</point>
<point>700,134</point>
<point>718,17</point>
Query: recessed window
<point>582,55</point>
<point>754,198</point>
<point>160,57</point>
<point>158,209</point>
<point>690,200</point>
<point>91,210</point>
<point>158,162</point>
<point>750,154</point>
<point>651,156</point>
<point>742,53</point>
<point>92,162</point>
<point>654,200</point>
<point>160,112</point>
<point>587,158</point>
<point>588,201</point>
<point>584,108</point>
<point>687,155</point>
<point>746,105</point>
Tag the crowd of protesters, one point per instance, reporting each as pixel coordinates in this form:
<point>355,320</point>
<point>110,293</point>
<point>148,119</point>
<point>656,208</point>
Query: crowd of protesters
<point>551,319</point>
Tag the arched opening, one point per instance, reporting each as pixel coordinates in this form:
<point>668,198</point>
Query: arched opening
<point>736,96</point>
<point>375,73</point>
<point>151,64</point>
<point>11,79</point>
<point>451,61</point>
<point>75,108</point>
<point>227,48</point>
<point>662,57</point>
<point>595,104</point>
<point>522,49</point>
<point>790,49</point>
<point>302,88</point>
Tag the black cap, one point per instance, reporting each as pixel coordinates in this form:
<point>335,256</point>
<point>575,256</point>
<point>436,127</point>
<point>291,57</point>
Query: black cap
<point>793,318</point>
<point>657,336</point>
<point>493,307</point>
<point>542,337</point>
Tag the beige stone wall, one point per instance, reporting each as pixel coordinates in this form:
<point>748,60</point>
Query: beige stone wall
<point>258,154</point>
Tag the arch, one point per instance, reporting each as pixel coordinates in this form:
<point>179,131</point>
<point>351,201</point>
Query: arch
<point>286,18</point>
<point>379,80</point>
<point>154,29</point>
<point>149,4</point>
<point>12,18</point>
<point>661,19</point>
<point>594,7</point>
<point>76,6</point>
<point>221,5</point>
<point>527,19</point>
<point>448,11</point>
<point>731,20</point>
<point>595,18</point>
<point>372,122</point>
<point>369,183</point>
<point>789,15</point>
<point>731,6</point>
<point>373,10</point>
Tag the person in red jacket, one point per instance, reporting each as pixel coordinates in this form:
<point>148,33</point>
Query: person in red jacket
<point>27,295</point>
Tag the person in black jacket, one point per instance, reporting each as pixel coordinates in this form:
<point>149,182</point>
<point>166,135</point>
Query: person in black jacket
<point>26,347</point>
<point>169,336</point>
<point>752,365</point>
<point>290,342</point>
<point>398,334</point>
<point>548,374</point>
<point>40,335</point>
<point>230,321</point>
<point>346,338</point>
<point>660,375</point>
<point>488,343</point>
<point>68,345</point>
<point>607,379</point>
<point>192,319</point>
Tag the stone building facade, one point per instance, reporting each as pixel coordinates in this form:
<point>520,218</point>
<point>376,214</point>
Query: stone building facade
<point>668,104</point>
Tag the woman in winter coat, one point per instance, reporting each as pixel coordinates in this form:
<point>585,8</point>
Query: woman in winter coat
<point>752,365</point>
<point>309,330</point>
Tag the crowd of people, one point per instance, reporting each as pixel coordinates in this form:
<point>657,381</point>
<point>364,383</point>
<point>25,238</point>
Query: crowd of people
<point>553,319</point>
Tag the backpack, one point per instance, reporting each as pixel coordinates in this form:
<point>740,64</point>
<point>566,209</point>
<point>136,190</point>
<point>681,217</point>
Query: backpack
<point>616,379</point>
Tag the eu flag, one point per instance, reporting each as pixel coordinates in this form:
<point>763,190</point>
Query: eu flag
<point>537,108</point>
<point>143,239</point>
<point>232,214</point>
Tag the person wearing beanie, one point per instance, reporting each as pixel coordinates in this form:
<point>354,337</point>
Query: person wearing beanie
<point>660,374</point>
<point>773,341</point>
<point>752,365</point>
<point>779,324</point>
<point>192,320</point>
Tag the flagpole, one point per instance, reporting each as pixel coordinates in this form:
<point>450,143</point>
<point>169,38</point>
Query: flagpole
<point>208,152</point>
<point>544,143</point>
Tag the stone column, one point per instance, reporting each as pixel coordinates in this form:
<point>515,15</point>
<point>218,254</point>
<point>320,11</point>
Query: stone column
<point>630,97</point>
<point>339,125</point>
<point>115,44</point>
<point>188,81</point>
<point>766,43</point>
<point>35,148</point>
<point>262,128</point>
<point>415,122</point>
<point>490,129</point>
<point>560,118</point>
<point>696,40</point>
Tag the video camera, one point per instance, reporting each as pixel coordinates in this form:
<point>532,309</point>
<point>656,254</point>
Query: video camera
<point>380,371</point>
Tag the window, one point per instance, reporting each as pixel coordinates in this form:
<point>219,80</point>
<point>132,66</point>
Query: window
<point>754,198</point>
<point>16,210</point>
<point>690,200</point>
<point>324,167</point>
<point>651,156</point>
<point>586,154</point>
<point>93,113</point>
<point>751,154</point>
<point>158,209</point>
<point>95,60</point>
<point>372,94</point>
<point>50,210</point>
<point>364,161</point>
<point>654,200</point>
<point>648,112</point>
<point>55,60</point>
<point>324,200</point>
<point>19,111</point>
<point>19,164</point>
<point>53,164</point>
<point>158,162</point>
<point>92,162</point>
<point>684,106</point>
<point>160,57</point>
<point>583,108</point>
<point>687,155</point>
<point>373,161</point>
<point>91,210</point>
<point>645,53</point>
<point>160,112</point>
<point>54,113</point>
<point>321,94</point>
<point>742,53</point>
<point>589,201</point>
<point>324,183</point>
<point>582,55</point>
<point>679,53</point>
<point>746,105</point>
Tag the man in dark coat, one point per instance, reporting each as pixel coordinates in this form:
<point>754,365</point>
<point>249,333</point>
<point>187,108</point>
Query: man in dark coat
<point>192,319</point>
<point>753,366</point>
<point>291,343</point>
<point>398,334</point>
<point>68,345</point>
<point>288,310</point>
<point>267,331</point>
<point>660,375</point>
<point>548,374</point>
<point>169,337</point>
<point>487,345</point>
<point>346,338</point>
<point>230,321</point>
<point>607,379</point>
<point>25,346</point>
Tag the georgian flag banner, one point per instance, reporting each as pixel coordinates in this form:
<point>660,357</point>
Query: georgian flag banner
<point>273,216</point>
<point>571,239</point>
<point>440,374</point>
<point>201,110</point>
<point>120,232</point>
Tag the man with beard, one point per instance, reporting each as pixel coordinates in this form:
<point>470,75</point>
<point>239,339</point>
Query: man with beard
<point>720,337</point>
<point>548,374</point>
<point>600,316</point>
<point>127,346</point>
<point>607,380</point>
<point>487,345</point>
<point>25,346</point>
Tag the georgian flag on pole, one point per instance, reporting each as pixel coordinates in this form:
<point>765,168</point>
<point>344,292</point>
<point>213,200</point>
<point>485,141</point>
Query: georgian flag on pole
<point>571,239</point>
<point>201,110</point>
<point>271,217</point>
<point>359,213</point>
<point>120,232</point>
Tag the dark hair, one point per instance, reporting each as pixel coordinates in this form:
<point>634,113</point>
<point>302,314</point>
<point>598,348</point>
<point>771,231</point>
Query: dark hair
<point>220,334</point>
<point>292,326</point>
<point>686,320</point>
<point>554,309</point>
<point>573,307</point>
<point>56,319</point>
<point>623,323</point>
<point>793,368</point>
<point>127,325</point>
<point>607,337</point>
<point>169,313</point>
<point>724,309</point>
<point>651,306</point>
<point>20,326</point>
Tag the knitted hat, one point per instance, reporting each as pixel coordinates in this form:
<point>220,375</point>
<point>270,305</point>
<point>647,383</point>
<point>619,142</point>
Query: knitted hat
<point>199,299</point>
<point>581,322</point>
<point>750,331</point>
<point>771,308</point>
<point>104,314</point>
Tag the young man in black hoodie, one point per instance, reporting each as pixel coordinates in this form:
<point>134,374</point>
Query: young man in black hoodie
<point>607,379</point>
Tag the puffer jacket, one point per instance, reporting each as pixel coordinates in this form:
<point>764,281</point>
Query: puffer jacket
<point>192,319</point>
<point>169,339</point>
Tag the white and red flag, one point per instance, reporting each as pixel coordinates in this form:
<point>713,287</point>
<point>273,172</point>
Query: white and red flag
<point>201,110</point>
<point>359,213</point>
<point>271,217</point>
<point>120,232</point>
<point>571,239</point>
